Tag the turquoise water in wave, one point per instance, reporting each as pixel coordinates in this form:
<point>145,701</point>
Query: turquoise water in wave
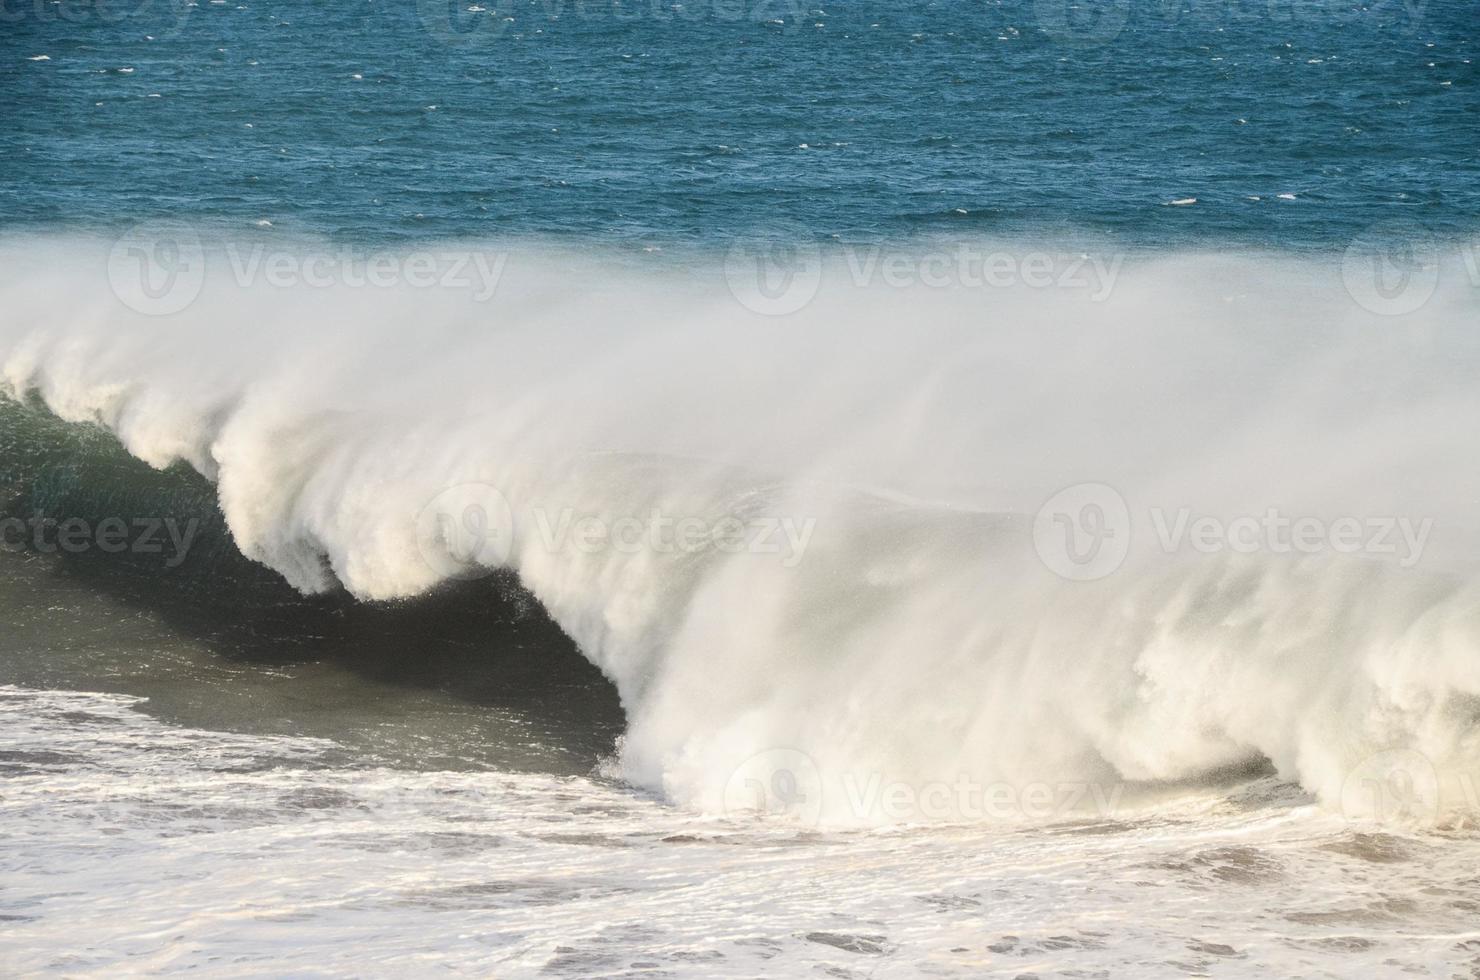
<point>655,123</point>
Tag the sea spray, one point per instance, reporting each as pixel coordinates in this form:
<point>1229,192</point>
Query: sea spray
<point>983,598</point>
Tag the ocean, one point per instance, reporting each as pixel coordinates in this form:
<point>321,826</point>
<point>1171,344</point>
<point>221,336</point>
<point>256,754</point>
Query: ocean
<point>739,488</point>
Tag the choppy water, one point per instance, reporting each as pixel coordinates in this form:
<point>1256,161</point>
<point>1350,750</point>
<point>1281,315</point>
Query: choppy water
<point>326,680</point>
<point>657,123</point>
<point>150,848</point>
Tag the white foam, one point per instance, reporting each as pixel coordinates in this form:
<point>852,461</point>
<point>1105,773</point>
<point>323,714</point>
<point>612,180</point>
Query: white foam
<point>177,849</point>
<point>914,643</point>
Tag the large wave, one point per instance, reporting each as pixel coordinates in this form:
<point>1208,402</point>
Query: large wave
<point>1221,515</point>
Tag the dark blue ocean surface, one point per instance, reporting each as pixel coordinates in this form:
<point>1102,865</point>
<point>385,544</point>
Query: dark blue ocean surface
<point>655,123</point>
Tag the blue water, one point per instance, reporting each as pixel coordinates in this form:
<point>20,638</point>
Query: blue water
<point>650,123</point>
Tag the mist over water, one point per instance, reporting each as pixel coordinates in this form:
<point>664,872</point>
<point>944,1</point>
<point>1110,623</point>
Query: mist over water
<point>925,471</point>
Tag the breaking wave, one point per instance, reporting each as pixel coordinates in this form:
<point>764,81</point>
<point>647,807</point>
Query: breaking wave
<point>1216,516</point>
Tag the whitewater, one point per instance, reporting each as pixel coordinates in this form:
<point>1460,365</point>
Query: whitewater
<point>921,635</point>
<point>908,594</point>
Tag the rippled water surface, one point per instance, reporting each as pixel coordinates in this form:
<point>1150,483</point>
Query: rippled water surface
<point>655,123</point>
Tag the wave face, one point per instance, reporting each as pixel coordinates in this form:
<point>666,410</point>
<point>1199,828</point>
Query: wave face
<point>1217,519</point>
